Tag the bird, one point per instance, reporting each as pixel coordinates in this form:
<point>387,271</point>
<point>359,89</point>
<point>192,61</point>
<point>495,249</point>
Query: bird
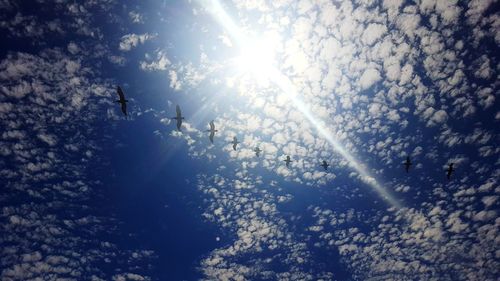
<point>324,165</point>
<point>178,117</point>
<point>212,131</point>
<point>449,171</point>
<point>122,100</point>
<point>235,142</point>
<point>257,151</point>
<point>287,161</point>
<point>407,163</point>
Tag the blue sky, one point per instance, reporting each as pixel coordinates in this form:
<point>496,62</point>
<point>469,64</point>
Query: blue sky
<point>89,194</point>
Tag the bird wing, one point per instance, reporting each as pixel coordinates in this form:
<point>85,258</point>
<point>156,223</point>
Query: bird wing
<point>212,125</point>
<point>120,93</point>
<point>211,137</point>
<point>449,171</point>
<point>124,108</point>
<point>178,110</point>
<point>234,145</point>
<point>179,123</point>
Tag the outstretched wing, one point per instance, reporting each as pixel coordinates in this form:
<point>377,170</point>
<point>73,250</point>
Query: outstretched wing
<point>179,123</point>
<point>407,163</point>
<point>178,110</point>
<point>235,142</point>
<point>450,171</point>
<point>212,125</point>
<point>120,93</point>
<point>211,137</point>
<point>124,108</point>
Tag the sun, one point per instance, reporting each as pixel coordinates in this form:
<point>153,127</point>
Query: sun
<point>257,58</point>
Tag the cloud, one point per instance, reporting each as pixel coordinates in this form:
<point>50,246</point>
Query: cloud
<point>136,17</point>
<point>48,138</point>
<point>369,77</point>
<point>130,41</point>
<point>160,63</point>
<point>438,116</point>
<point>258,229</point>
<point>119,60</point>
<point>424,87</point>
<point>53,95</point>
<point>372,33</point>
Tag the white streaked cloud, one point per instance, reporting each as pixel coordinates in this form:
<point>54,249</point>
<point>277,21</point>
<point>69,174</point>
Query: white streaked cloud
<point>130,41</point>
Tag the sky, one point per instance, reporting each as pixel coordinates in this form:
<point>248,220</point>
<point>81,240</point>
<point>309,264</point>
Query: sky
<point>88,193</point>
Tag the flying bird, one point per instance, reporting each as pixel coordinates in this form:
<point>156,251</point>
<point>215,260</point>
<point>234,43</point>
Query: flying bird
<point>122,100</point>
<point>407,163</point>
<point>235,142</point>
<point>324,165</point>
<point>257,151</point>
<point>287,161</point>
<point>178,117</point>
<point>449,171</point>
<point>212,131</point>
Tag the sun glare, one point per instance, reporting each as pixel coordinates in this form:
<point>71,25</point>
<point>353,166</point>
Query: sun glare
<point>257,58</point>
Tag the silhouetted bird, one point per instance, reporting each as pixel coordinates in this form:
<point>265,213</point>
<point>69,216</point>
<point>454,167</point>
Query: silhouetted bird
<point>212,131</point>
<point>449,171</point>
<point>178,117</point>
<point>235,142</point>
<point>407,164</point>
<point>122,100</point>
<point>324,165</point>
<point>257,151</point>
<point>288,161</point>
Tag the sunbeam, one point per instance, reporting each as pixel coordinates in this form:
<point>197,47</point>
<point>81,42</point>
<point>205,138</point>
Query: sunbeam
<point>284,83</point>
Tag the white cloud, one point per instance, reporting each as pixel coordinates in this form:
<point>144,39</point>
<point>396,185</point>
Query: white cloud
<point>486,96</point>
<point>488,201</point>
<point>369,77</point>
<point>160,63</point>
<point>136,17</point>
<point>373,32</point>
<point>329,53</point>
<point>119,60</point>
<point>48,138</point>
<point>485,215</point>
<point>129,41</point>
